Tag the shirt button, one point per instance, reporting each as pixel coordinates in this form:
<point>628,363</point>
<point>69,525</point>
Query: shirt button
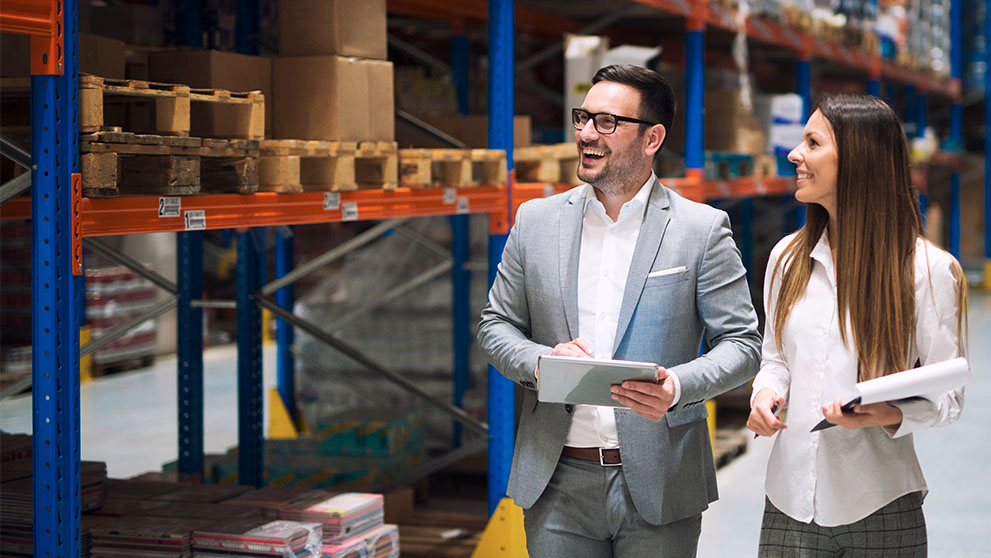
<point>569,408</point>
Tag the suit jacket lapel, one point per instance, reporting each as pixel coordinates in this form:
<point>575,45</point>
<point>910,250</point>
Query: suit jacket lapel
<point>655,221</point>
<point>570,239</point>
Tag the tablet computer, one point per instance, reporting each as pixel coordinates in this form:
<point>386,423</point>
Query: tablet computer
<point>586,381</point>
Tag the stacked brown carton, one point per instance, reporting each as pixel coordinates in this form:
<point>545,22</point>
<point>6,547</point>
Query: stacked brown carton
<point>332,80</point>
<point>213,69</point>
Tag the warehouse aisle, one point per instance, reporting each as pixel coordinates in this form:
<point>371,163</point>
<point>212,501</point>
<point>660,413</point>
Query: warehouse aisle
<point>956,461</point>
<point>130,420</point>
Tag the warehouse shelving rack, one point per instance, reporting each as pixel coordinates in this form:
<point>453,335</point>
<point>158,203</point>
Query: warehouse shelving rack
<point>61,218</point>
<point>548,17</point>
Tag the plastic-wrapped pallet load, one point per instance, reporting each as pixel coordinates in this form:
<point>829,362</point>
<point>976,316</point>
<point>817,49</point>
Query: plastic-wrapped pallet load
<point>148,537</point>
<point>343,516</point>
<point>351,548</point>
<point>383,542</point>
<point>247,538</point>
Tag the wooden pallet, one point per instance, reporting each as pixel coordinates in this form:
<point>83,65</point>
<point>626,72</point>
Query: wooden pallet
<point>313,165</point>
<point>115,162</point>
<point>725,166</point>
<point>241,113</point>
<point>454,168</point>
<point>554,164</point>
<point>765,165</point>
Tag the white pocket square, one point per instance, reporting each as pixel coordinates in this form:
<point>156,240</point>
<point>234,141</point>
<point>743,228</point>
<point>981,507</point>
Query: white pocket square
<point>669,271</point>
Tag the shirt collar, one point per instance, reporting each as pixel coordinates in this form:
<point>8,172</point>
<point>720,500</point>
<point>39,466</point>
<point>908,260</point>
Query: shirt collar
<point>639,201</point>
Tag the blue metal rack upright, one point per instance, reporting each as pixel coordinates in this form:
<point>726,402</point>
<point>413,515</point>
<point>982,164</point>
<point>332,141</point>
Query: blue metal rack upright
<point>501,392</point>
<point>461,244</point>
<point>956,126</point>
<point>285,368</point>
<point>189,352</point>
<point>189,319</point>
<point>987,143</point>
<point>55,299</point>
<point>250,465</point>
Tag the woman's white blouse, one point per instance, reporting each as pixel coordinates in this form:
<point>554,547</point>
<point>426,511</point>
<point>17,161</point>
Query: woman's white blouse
<point>838,476</point>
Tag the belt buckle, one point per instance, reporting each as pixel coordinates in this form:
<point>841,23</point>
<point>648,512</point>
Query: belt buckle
<point>603,463</point>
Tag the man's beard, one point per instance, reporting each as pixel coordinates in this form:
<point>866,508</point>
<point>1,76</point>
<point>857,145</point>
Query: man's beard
<point>614,176</point>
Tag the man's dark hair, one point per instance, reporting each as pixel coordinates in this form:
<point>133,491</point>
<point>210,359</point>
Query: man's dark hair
<point>657,103</point>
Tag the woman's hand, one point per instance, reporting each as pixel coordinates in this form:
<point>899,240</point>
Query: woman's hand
<point>875,414</point>
<point>762,420</point>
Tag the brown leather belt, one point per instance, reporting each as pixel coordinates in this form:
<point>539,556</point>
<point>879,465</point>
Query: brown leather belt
<point>604,457</point>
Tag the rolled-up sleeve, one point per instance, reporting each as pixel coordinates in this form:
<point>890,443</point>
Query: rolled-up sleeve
<point>937,339</point>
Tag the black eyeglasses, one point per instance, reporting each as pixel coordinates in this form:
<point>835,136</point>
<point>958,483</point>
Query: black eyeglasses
<point>604,122</point>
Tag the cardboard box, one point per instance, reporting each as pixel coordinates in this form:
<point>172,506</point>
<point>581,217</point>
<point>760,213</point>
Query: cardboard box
<point>473,130</point>
<point>131,23</point>
<point>730,126</point>
<point>381,99</point>
<point>99,56</point>
<point>339,27</point>
<point>332,98</point>
<point>215,70</point>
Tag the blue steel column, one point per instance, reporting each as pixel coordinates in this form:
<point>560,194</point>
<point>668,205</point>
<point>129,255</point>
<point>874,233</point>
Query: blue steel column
<point>249,365</point>
<point>911,112</point>
<point>987,141</point>
<point>694,100</point>
<point>874,87</point>
<point>501,396</point>
<point>188,23</point>
<point>190,352</point>
<point>921,122</point>
<point>803,84</point>
<point>460,253</point>
<point>956,126</point>
<point>246,25</point>
<point>284,333</point>
<point>55,305</point>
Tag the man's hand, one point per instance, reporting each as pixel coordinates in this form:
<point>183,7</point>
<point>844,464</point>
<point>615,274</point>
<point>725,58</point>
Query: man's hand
<point>875,414</point>
<point>577,348</point>
<point>649,400</point>
<point>762,420</point>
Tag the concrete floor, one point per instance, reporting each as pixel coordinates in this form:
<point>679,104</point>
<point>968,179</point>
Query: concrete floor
<point>129,421</point>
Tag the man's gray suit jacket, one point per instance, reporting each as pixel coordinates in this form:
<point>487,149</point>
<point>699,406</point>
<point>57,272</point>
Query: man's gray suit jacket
<point>533,306</point>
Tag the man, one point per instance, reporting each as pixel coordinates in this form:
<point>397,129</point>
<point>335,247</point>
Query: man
<point>620,268</point>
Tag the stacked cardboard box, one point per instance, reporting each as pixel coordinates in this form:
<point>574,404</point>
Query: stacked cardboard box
<point>213,69</point>
<point>332,81</point>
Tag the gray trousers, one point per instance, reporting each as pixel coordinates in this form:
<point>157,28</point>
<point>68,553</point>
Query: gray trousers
<point>586,511</point>
<point>898,530</point>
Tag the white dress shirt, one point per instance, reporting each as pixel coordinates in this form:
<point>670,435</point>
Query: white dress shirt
<point>604,260</point>
<point>838,476</point>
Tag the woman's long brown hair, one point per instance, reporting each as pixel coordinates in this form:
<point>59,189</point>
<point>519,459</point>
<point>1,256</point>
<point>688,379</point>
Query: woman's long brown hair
<point>878,222</point>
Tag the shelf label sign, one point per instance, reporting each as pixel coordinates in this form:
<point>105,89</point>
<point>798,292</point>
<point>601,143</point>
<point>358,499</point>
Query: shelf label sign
<point>462,206</point>
<point>195,219</point>
<point>450,195</point>
<point>169,207</point>
<point>349,212</point>
<point>331,200</point>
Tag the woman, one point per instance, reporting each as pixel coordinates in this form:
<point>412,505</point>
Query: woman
<point>855,294</point>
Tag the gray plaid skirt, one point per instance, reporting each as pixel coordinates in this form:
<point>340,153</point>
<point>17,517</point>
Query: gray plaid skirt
<point>898,530</point>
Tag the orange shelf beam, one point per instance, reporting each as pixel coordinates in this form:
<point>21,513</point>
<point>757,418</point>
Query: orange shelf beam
<point>28,17</point>
<point>42,21</point>
<point>140,214</point>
